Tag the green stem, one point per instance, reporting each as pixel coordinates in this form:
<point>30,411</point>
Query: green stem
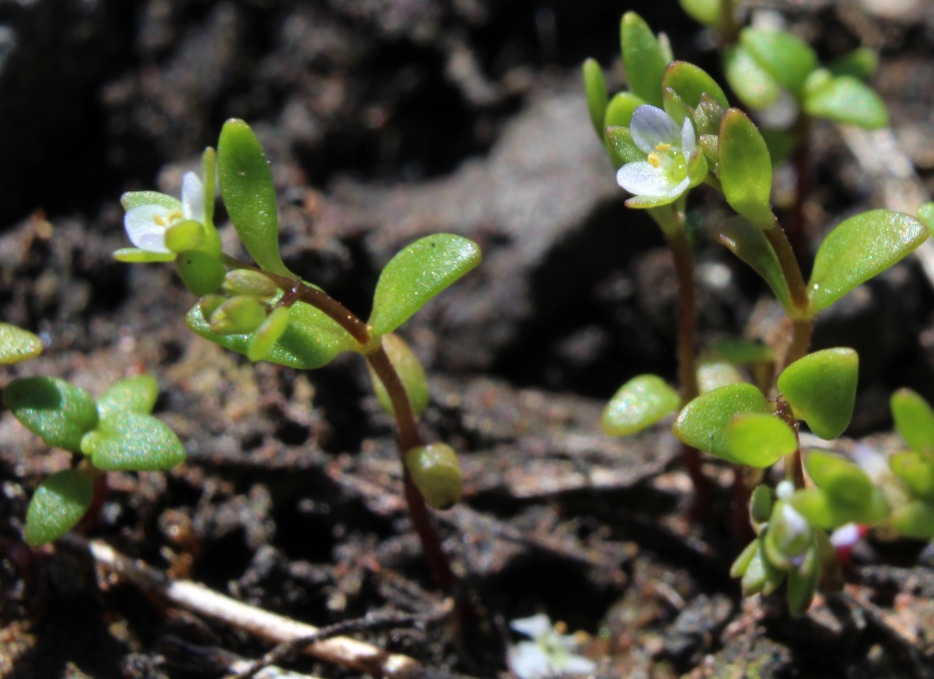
<point>789,265</point>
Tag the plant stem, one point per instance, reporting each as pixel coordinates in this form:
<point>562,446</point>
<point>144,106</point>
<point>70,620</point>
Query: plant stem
<point>789,264</point>
<point>409,437</point>
<point>729,29</point>
<point>794,465</point>
<point>801,159</point>
<point>408,433</point>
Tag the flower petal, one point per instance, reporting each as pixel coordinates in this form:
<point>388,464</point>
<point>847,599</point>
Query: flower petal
<point>192,197</point>
<point>529,661</point>
<point>534,626</point>
<point>578,664</point>
<point>643,179</point>
<point>651,126</point>
<point>142,229</point>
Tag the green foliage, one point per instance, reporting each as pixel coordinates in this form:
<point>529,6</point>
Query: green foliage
<point>58,504</point>
<point>752,246</point>
<point>60,413</point>
<point>644,59</point>
<point>129,441</point>
<point>249,194</point>
<point>690,83</point>
<point>786,59</point>
<point>436,473</point>
<point>410,371</point>
<point>914,420</point>
<point>844,99</point>
<point>237,316</point>
<point>707,12</point>
<point>703,422</point>
<point>858,249</point>
<point>745,168</point>
<point>263,341</point>
<point>201,272</point>
<point>759,439</point>
<point>821,388</point>
<point>595,90</point>
<point>133,394</point>
<point>751,83</point>
<point>17,344</point>
<point>640,403</point>
<point>418,273</point>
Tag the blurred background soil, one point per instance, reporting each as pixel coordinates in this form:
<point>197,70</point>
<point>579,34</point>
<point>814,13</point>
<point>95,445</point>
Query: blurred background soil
<point>386,120</point>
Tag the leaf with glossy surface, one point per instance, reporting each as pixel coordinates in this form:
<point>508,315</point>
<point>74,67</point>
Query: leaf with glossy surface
<point>201,272</point>
<point>788,59</point>
<point>57,505</point>
<point>745,168</point>
<point>838,478</point>
<point>17,344</point>
<point>690,82</point>
<point>249,194</point>
<point>828,512</point>
<point>52,408</point>
<point>703,422</point>
<point>821,388</point>
<point>916,470</point>
<point>844,99</point>
<point>858,249</point>
<point>715,371</point>
<point>644,59</point>
<point>760,439</point>
<point>707,12</point>
<point>914,419</point>
<point>640,403</point>
<point>751,245</point>
<point>130,441</point>
<point>132,199</point>
<point>134,394</point>
<point>410,372</point>
<point>311,340</point>
<point>418,273</point>
<point>595,91</point>
<point>751,83</point>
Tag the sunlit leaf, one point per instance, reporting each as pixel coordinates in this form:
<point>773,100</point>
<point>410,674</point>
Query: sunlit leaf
<point>17,344</point>
<point>858,249</point>
<point>52,408</point>
<point>916,470</point>
<point>760,439</point>
<point>821,388</point>
<point>641,402</point>
<point>57,505</point>
<point>595,90</point>
<point>690,82</point>
<point>745,168</point>
<point>136,394</point>
<point>201,272</point>
<point>130,441</point>
<point>707,12</point>
<point>249,194</point>
<point>751,245</point>
<point>644,59</point>
<point>788,59</point>
<point>703,422</point>
<point>844,99</point>
<point>914,419</point>
<point>838,478</point>
<point>132,199</point>
<point>418,273</point>
<point>751,83</point>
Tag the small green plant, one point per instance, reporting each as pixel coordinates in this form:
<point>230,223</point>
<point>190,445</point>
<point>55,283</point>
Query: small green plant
<point>270,314</point>
<point>674,130</point>
<point>114,433</point>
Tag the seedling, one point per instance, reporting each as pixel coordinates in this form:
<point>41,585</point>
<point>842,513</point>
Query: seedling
<point>672,132</point>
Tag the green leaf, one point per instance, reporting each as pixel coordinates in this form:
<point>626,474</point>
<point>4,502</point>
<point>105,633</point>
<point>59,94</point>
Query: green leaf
<point>644,59</point>
<point>742,562</point>
<point>418,273</point>
<point>802,583</point>
<point>926,215</point>
<point>249,194</point>
<point>703,422</point>
<point>57,505</point>
<point>264,338</point>
<point>238,315</point>
<point>707,118</point>
<point>715,371</point>
<point>622,146</point>
<point>130,441</point>
<point>744,352</point>
<point>201,272</point>
<point>595,90</point>
<point>751,83</point>
<point>858,249</point>
<point>752,246</point>
<point>311,340</point>
<point>410,372</point>
<point>839,479</point>
<point>134,394</point>
<point>436,473</point>
<point>707,12</point>
<point>844,99</point>
<point>860,63</point>
<point>208,181</point>
<point>52,408</point>
<point>916,470</point>
<point>760,504</point>
<point>640,403</point>
<point>914,519</point>
<point>821,388</point>
<point>914,420</point>
<point>789,60</point>
<point>137,256</point>
<point>745,168</point>
<point>17,344</point>
<point>760,439</point>
<point>820,509</point>
<point>620,109</point>
<point>690,82</point>
<point>132,199</point>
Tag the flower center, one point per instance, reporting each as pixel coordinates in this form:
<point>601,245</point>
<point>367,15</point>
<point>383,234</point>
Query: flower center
<point>169,218</point>
<point>670,161</point>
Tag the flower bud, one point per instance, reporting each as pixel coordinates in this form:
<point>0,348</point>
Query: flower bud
<point>436,473</point>
<point>268,334</point>
<point>238,315</point>
<point>202,273</point>
<point>252,283</point>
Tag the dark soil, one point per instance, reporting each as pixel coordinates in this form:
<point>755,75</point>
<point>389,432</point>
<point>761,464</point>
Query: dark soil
<point>385,121</point>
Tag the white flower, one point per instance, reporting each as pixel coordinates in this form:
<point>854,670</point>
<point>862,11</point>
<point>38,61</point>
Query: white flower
<point>673,162</point>
<point>146,224</point>
<point>549,653</point>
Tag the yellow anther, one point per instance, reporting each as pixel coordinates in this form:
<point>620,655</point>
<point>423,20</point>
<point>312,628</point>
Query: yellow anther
<point>169,218</point>
<point>561,627</point>
<point>654,160</point>
<point>662,146</point>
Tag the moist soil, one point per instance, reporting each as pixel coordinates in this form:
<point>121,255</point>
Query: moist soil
<point>383,122</point>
